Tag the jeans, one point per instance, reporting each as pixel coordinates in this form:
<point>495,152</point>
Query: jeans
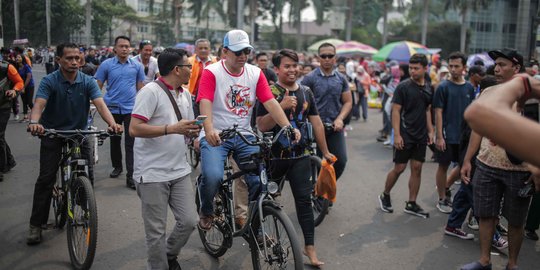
<point>50,153</point>
<point>6,158</point>
<point>155,199</point>
<point>463,201</point>
<point>363,102</point>
<point>337,146</point>
<point>213,160</point>
<point>116,149</point>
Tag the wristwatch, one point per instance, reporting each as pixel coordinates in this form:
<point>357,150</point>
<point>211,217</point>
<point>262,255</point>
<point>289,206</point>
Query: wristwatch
<point>33,122</point>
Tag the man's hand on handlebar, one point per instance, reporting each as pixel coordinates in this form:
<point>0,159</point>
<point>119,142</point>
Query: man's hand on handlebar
<point>297,135</point>
<point>116,129</point>
<point>35,129</point>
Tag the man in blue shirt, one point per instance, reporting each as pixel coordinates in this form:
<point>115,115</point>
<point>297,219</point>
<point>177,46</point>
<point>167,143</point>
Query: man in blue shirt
<point>334,102</point>
<point>124,77</point>
<point>450,101</point>
<point>62,102</point>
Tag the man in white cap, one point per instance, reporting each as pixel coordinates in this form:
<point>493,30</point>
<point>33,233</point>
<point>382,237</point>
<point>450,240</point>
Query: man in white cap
<point>229,102</point>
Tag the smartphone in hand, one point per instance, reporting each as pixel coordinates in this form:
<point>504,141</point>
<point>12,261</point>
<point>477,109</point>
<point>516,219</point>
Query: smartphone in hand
<point>200,119</point>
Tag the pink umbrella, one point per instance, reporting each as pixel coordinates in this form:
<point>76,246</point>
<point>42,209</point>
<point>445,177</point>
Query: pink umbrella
<point>351,48</point>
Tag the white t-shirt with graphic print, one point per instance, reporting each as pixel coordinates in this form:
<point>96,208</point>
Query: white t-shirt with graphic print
<point>232,95</point>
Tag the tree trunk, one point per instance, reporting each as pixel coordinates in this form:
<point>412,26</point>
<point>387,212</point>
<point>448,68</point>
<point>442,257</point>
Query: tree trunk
<point>385,23</point>
<point>348,27</point>
<point>298,27</point>
<point>48,21</point>
<point>463,33</point>
<point>88,22</point>
<point>16,15</point>
<point>425,21</point>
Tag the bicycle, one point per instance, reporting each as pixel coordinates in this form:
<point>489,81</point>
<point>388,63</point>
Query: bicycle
<point>268,230</point>
<point>193,155</point>
<point>73,201</point>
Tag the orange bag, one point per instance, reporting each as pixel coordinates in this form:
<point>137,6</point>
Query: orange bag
<point>326,182</point>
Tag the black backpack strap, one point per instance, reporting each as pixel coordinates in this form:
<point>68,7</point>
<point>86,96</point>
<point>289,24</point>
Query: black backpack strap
<point>171,98</point>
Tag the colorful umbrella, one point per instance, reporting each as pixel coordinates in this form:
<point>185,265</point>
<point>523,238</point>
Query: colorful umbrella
<point>400,51</point>
<point>315,46</point>
<point>484,57</point>
<point>186,46</point>
<point>351,48</point>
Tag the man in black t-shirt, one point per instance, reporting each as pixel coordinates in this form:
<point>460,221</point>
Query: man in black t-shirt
<point>261,60</point>
<point>299,106</point>
<point>413,131</point>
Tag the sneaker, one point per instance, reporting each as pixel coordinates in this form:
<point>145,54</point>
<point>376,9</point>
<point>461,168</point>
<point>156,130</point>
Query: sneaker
<point>205,222</point>
<point>414,209</point>
<point>498,242</point>
<point>387,142</point>
<point>382,138</point>
<point>476,266</point>
<point>457,232</point>
<point>531,234</point>
<point>501,229</point>
<point>386,203</point>
<point>473,223</point>
<point>173,264</point>
<point>34,235</point>
<point>444,206</point>
<point>17,117</point>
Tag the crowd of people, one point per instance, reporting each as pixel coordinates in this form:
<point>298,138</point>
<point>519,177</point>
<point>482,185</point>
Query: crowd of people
<point>153,96</point>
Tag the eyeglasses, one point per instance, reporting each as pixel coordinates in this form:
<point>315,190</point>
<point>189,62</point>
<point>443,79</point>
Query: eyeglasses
<point>327,56</point>
<point>246,51</point>
<point>188,66</point>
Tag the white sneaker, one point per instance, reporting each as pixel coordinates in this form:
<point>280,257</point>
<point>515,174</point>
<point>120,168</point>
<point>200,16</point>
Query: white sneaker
<point>473,224</point>
<point>444,207</point>
<point>387,142</point>
<point>16,117</point>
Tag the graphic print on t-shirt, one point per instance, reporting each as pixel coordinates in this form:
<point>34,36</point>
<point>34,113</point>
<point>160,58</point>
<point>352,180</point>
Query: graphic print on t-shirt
<point>237,100</point>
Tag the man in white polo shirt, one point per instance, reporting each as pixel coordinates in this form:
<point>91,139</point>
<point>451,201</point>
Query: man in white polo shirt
<point>161,172</point>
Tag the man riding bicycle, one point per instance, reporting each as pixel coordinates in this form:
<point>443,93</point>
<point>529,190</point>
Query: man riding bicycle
<point>227,93</point>
<point>62,102</point>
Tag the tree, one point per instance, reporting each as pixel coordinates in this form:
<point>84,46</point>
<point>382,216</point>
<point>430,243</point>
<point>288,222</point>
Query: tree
<point>464,7</point>
<point>425,12</point>
<point>201,9</point>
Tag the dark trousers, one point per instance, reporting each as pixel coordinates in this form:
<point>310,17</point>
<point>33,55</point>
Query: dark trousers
<point>363,103</point>
<point>301,189</point>
<point>355,111</point>
<point>387,120</point>
<point>336,145</point>
<point>50,153</point>
<point>533,219</point>
<point>28,99</point>
<point>463,201</point>
<point>6,158</point>
<point>116,148</point>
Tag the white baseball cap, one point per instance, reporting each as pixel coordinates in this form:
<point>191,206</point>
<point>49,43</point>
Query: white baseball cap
<point>236,40</point>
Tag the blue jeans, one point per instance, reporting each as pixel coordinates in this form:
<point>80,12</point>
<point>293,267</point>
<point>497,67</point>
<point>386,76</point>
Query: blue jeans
<point>213,160</point>
<point>463,201</point>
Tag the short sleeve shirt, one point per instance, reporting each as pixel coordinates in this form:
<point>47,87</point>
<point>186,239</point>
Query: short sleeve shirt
<point>161,158</point>
<point>24,72</point>
<point>414,100</point>
<point>453,99</point>
<point>232,95</point>
<point>122,82</point>
<point>327,91</point>
<point>153,68</point>
<point>67,104</point>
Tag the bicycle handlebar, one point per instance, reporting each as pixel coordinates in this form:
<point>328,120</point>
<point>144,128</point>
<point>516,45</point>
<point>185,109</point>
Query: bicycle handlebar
<point>259,140</point>
<point>66,134</point>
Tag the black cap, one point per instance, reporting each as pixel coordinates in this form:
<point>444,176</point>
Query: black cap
<point>477,69</point>
<point>511,54</point>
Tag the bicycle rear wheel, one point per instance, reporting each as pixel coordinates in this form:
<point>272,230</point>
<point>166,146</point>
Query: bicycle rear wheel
<point>193,157</point>
<point>283,249</point>
<point>318,204</point>
<point>218,239</point>
<point>82,224</point>
<point>59,201</point>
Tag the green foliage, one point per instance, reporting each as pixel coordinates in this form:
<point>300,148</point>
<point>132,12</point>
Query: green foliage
<point>104,11</point>
<point>67,16</point>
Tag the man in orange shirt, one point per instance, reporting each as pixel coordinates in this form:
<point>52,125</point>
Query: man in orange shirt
<point>8,75</point>
<point>199,61</point>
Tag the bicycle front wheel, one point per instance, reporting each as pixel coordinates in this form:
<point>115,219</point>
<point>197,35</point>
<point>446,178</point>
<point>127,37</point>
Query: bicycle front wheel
<point>318,204</point>
<point>283,249</point>
<point>82,224</point>
<point>59,201</point>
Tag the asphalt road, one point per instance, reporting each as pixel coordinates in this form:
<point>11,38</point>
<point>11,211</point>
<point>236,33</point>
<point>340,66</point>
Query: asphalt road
<point>356,234</point>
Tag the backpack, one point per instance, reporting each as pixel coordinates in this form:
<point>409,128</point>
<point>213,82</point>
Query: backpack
<point>5,84</point>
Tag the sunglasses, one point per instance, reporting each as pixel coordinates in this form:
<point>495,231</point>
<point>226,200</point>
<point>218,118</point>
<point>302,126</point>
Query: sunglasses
<point>145,42</point>
<point>189,66</point>
<point>327,56</point>
<point>246,51</point>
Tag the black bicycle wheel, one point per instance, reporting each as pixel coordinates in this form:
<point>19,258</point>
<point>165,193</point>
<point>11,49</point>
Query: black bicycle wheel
<point>59,201</point>
<point>193,157</point>
<point>283,249</point>
<point>82,224</point>
<point>319,204</point>
<point>218,239</point>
